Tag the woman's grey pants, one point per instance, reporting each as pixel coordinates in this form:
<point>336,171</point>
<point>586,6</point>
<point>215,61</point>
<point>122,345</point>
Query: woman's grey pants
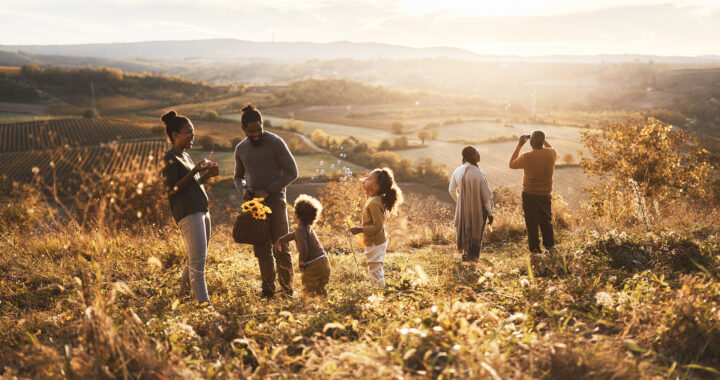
<point>195,230</point>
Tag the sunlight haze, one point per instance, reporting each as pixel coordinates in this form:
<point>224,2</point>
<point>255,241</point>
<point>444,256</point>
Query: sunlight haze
<point>485,27</point>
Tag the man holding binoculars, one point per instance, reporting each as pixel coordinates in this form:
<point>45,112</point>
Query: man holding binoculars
<point>539,166</point>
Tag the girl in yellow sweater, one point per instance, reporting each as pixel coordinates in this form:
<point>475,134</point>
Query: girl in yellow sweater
<point>384,198</point>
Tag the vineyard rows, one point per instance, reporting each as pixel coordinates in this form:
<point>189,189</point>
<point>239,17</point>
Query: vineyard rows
<point>74,165</point>
<point>52,134</point>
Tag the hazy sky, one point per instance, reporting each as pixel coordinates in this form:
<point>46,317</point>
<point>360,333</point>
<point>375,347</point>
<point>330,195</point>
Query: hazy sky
<point>522,27</point>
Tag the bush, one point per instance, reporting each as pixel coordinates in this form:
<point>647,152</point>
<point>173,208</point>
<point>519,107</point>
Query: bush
<point>90,114</point>
<point>293,125</point>
<point>385,145</point>
<point>401,142</point>
<point>207,142</point>
<point>397,128</point>
<point>663,162</point>
<point>423,135</point>
<point>211,115</point>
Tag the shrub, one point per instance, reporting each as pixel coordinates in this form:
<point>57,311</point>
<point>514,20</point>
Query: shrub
<point>90,114</point>
<point>425,134</point>
<point>662,161</point>
<point>385,145</point>
<point>210,115</point>
<point>401,142</point>
<point>207,142</point>
<point>397,128</point>
<point>293,125</point>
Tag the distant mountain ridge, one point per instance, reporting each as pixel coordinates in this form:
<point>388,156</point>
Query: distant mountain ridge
<point>214,50</point>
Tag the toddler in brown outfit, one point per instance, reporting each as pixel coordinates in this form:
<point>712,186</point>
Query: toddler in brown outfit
<point>314,264</point>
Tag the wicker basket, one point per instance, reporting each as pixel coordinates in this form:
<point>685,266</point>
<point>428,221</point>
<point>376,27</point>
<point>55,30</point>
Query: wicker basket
<point>248,230</point>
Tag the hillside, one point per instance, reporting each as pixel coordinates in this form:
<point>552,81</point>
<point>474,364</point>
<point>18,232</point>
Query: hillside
<point>232,49</point>
<point>605,304</point>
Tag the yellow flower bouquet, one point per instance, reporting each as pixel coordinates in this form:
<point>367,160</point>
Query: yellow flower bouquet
<point>256,208</point>
<point>252,225</point>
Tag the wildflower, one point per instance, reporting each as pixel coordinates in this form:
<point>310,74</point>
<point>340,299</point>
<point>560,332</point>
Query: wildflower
<point>604,299</point>
<point>35,170</point>
<point>389,348</point>
<point>434,309</point>
<point>456,347</point>
<point>524,282</point>
<point>437,328</point>
<point>139,214</point>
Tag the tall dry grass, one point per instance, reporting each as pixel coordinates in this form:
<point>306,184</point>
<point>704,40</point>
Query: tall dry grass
<point>98,300</point>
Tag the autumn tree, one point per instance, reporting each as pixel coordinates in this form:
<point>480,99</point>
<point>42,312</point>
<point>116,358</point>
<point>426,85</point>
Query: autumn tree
<point>662,161</point>
<point>401,142</point>
<point>423,135</point>
<point>397,128</point>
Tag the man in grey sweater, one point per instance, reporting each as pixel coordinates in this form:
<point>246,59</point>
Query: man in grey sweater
<point>264,167</point>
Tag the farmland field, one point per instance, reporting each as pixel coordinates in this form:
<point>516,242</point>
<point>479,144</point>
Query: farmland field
<point>50,134</point>
<point>70,164</point>
<point>368,135</point>
<point>308,165</point>
<point>569,181</point>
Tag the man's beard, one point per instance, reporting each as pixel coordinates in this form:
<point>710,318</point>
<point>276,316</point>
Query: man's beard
<point>257,142</point>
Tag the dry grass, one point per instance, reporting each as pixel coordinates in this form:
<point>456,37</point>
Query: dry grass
<point>104,303</point>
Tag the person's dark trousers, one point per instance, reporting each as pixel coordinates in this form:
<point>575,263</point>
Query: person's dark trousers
<point>474,250</point>
<point>538,213</point>
<point>269,258</point>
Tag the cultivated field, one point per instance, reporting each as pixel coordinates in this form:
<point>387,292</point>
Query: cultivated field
<point>568,181</point>
<point>53,133</point>
<point>70,166</point>
<point>309,165</point>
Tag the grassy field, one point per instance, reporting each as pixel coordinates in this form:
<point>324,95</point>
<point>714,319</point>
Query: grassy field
<point>106,303</point>
<point>308,164</point>
<point>368,135</point>
<point>569,182</point>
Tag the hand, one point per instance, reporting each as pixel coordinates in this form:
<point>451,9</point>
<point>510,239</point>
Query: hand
<point>247,194</point>
<point>356,230</point>
<point>278,246</point>
<point>261,194</point>
<point>523,139</point>
<point>214,171</point>
<point>491,219</point>
<point>202,166</point>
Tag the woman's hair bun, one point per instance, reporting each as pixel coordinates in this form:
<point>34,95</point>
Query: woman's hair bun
<point>248,107</point>
<point>168,116</point>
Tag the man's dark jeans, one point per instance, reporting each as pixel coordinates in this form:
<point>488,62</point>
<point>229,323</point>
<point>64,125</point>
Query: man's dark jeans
<point>538,213</point>
<point>269,258</point>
